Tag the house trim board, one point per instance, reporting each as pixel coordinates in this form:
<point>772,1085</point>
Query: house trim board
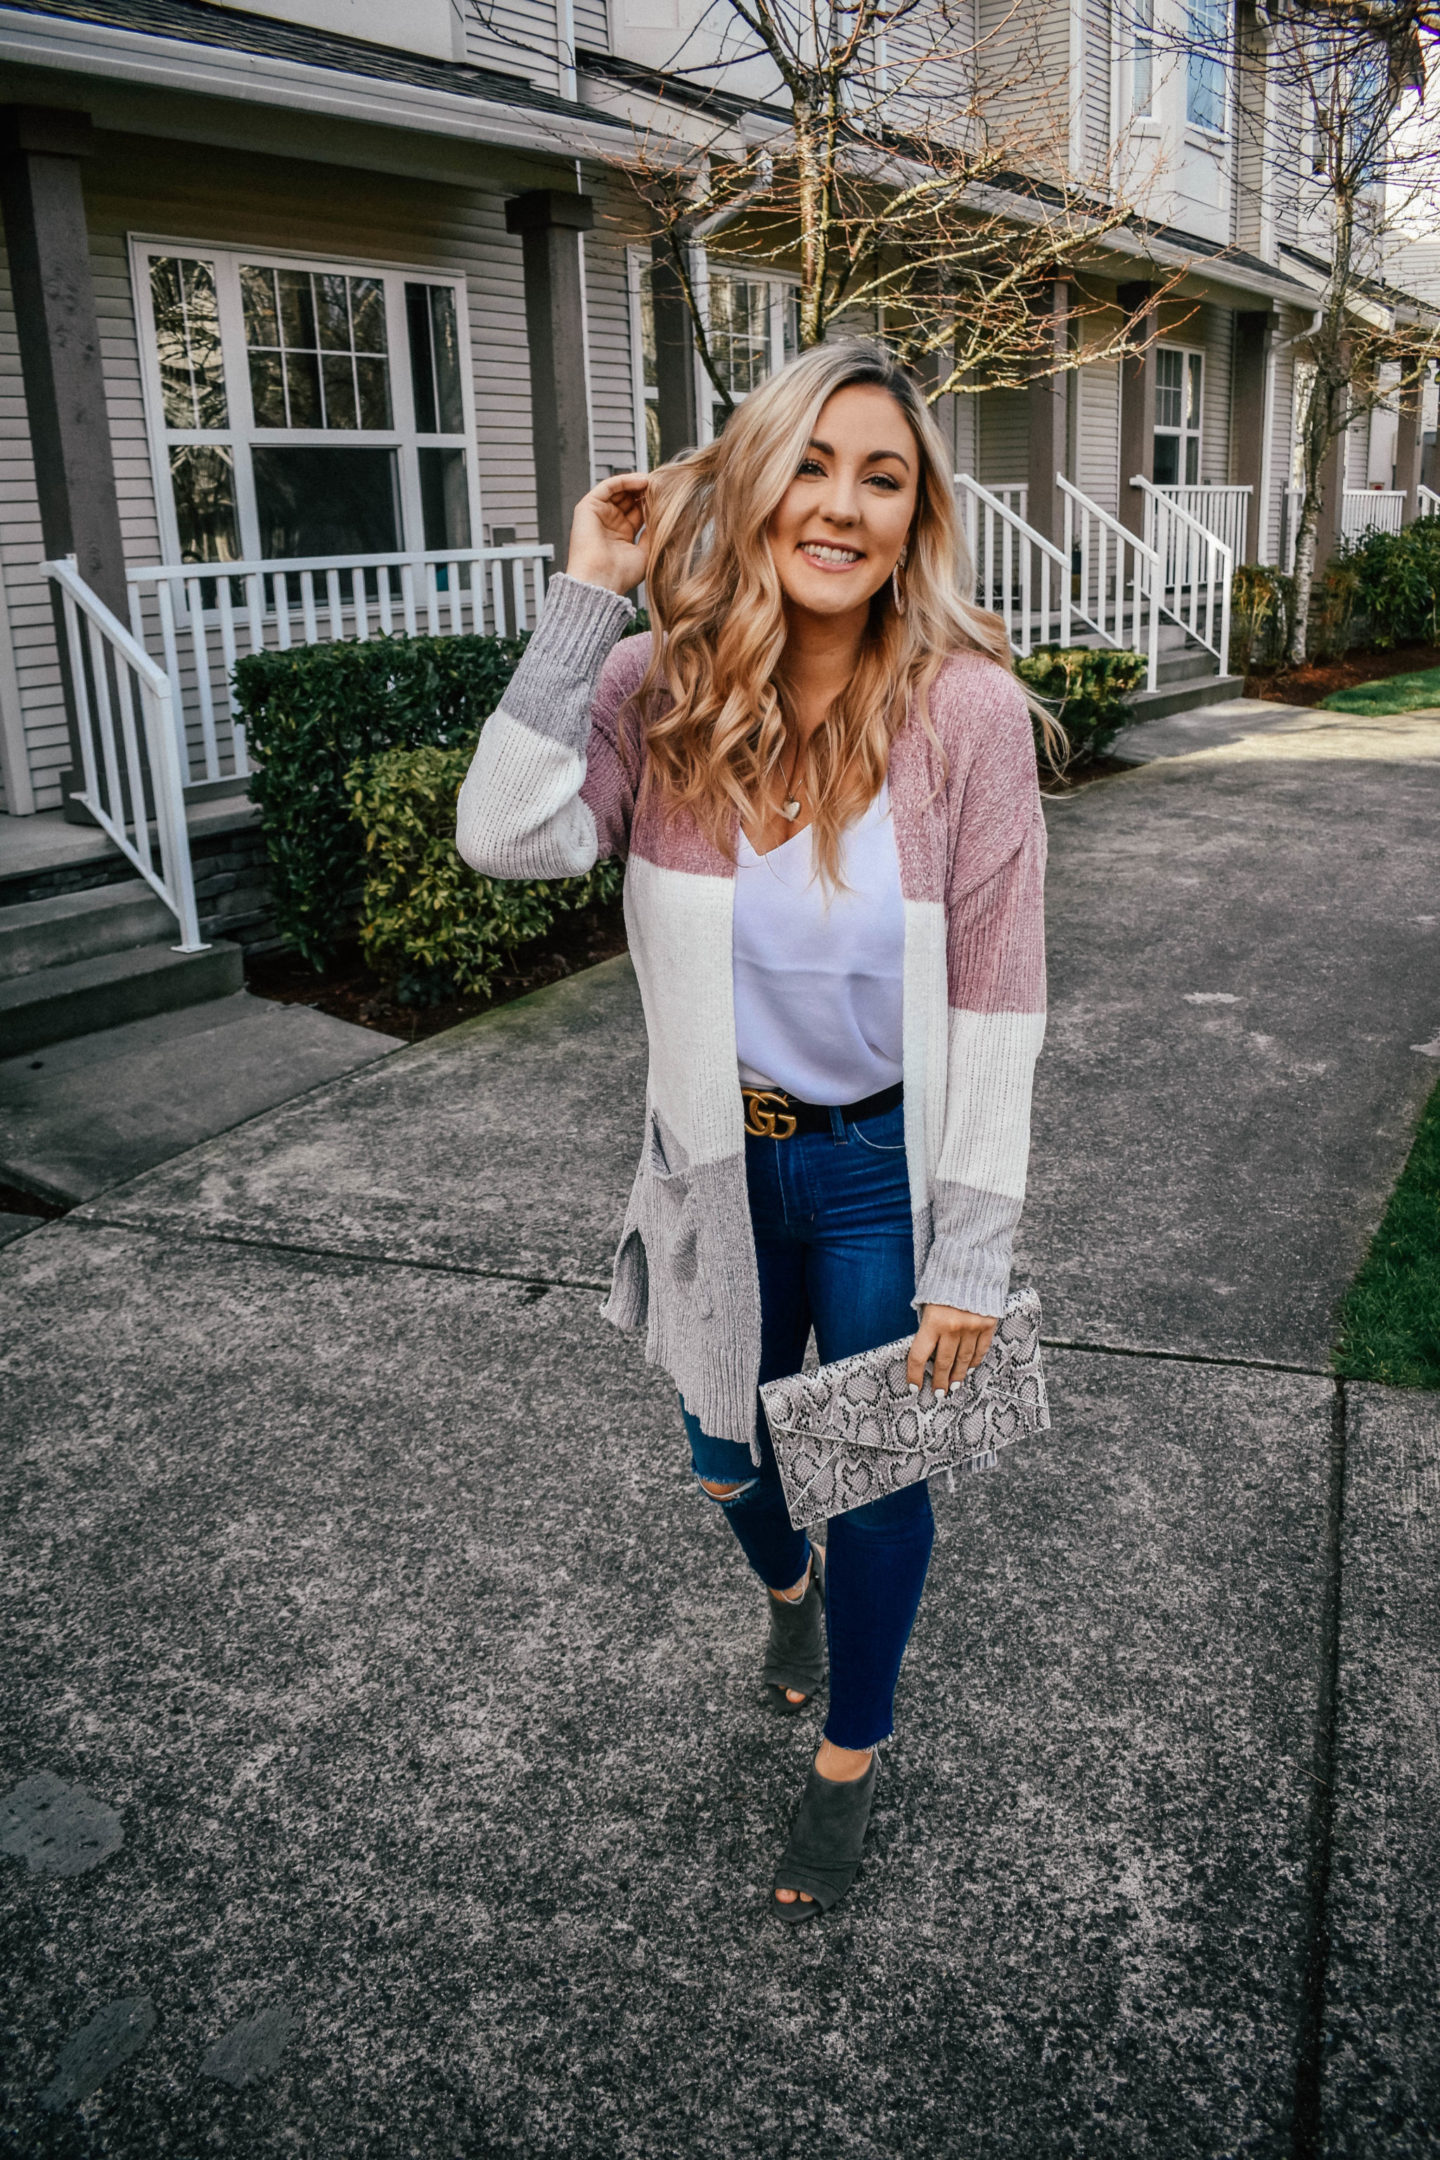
<point>104,51</point>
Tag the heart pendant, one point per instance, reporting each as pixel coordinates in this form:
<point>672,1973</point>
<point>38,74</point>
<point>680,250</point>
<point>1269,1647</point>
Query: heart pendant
<point>790,809</point>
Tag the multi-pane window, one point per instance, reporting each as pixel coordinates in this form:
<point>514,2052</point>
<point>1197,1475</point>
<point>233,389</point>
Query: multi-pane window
<point>316,346</point>
<point>1142,60</point>
<point>752,324</point>
<point>305,411</point>
<point>1205,57</point>
<point>1179,387</point>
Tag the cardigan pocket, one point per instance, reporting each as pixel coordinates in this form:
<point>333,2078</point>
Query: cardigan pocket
<point>669,1222</point>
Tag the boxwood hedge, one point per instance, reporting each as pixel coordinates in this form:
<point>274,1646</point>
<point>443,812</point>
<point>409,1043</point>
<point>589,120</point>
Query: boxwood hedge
<point>311,713</point>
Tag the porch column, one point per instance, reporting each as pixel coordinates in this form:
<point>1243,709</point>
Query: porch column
<point>550,224</point>
<point>1250,422</point>
<point>59,337</point>
<point>1047,403</point>
<point>1410,448</point>
<point>1137,405</point>
<point>677,406</point>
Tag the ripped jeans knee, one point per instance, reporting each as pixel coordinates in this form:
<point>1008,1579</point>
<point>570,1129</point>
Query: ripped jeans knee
<point>723,1493</point>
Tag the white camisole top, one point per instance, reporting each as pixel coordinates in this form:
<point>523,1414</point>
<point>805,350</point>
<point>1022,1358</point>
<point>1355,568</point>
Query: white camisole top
<point>818,977</point>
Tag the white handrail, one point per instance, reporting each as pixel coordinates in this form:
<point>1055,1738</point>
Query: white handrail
<point>1019,574</point>
<point>1427,502</point>
<point>1119,577</point>
<point>198,619</point>
<point>110,672</point>
<point>1198,568</point>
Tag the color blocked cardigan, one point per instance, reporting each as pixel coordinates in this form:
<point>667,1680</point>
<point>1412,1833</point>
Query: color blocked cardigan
<point>550,791</point>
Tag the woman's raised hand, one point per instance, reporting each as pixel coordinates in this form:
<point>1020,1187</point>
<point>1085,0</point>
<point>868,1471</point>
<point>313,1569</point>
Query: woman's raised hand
<point>607,543</point>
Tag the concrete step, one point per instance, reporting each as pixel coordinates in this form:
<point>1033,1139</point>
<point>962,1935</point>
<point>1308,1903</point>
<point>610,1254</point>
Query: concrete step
<point>1185,696</point>
<point>52,1003</point>
<point>1190,663</point>
<point>97,1109</point>
<point>69,926</point>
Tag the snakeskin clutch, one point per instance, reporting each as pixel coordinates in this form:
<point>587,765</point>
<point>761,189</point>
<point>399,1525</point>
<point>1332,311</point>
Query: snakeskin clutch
<point>852,1431</point>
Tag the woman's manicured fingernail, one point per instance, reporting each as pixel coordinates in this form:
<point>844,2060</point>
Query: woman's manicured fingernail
<point>942,1391</point>
<point>914,1387</point>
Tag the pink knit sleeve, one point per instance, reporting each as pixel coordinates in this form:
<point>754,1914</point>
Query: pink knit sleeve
<point>612,765</point>
<point>995,966</point>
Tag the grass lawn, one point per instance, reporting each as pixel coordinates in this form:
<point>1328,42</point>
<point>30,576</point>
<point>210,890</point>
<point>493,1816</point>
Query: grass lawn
<point>1393,694</point>
<point>1390,1321</point>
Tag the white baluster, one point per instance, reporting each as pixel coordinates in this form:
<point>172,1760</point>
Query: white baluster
<point>200,648</point>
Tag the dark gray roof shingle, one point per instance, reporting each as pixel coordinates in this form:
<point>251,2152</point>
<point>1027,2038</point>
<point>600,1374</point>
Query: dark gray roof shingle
<point>198,22</point>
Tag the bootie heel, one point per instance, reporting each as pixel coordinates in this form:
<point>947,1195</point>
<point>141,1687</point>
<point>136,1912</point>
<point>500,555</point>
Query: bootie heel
<point>827,1839</point>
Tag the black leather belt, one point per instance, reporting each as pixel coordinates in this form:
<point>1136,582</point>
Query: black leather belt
<point>770,1114</point>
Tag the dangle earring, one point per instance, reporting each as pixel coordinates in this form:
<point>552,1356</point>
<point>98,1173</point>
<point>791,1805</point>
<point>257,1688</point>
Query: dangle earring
<point>896,591</point>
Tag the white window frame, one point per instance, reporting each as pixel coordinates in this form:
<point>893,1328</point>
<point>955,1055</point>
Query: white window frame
<point>242,435</point>
<point>1203,131</point>
<point>1185,433</point>
<point>782,283</point>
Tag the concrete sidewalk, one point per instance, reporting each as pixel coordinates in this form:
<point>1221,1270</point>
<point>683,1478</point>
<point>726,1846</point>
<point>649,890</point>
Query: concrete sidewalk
<point>365,1594</point>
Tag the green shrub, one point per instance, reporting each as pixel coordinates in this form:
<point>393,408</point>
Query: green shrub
<point>1085,691</point>
<point>428,923</point>
<point>1394,579</point>
<point>1262,606</point>
<point>310,713</point>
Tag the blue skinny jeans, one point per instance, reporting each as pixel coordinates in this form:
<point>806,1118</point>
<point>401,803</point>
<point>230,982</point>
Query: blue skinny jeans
<point>833,1239</point>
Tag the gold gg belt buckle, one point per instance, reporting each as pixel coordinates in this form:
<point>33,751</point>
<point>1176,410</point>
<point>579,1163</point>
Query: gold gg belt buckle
<point>766,1115</point>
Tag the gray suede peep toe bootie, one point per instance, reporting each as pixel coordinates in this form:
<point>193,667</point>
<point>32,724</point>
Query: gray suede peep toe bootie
<point>795,1652</point>
<point>827,1839</point>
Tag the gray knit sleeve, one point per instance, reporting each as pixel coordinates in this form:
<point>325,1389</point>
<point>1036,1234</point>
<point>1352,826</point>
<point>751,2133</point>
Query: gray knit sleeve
<point>520,813</point>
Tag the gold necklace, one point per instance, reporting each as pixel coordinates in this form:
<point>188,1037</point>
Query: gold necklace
<point>790,807</point>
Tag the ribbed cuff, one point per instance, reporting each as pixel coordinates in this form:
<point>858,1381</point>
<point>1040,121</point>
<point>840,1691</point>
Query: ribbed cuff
<point>579,623</point>
<point>952,1278</point>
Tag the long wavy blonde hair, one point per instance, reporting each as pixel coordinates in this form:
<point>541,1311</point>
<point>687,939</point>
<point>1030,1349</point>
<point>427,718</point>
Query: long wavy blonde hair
<point>717,608</point>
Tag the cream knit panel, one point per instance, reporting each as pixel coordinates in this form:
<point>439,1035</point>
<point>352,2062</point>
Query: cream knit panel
<point>924,1055</point>
<point>679,924</point>
<point>520,813</point>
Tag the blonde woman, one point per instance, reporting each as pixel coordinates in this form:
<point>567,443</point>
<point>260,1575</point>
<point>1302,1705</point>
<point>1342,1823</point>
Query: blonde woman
<point>820,770</point>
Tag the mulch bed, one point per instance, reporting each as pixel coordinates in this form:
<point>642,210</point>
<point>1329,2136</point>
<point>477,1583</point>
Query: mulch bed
<point>351,990</point>
<point>1309,684</point>
<point>14,1200</point>
<point>1083,773</point>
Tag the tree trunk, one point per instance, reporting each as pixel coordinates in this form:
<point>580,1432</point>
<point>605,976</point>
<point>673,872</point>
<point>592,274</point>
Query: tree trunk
<point>1299,642</point>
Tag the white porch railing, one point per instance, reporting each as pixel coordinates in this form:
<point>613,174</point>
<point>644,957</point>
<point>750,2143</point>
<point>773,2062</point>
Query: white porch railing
<point>1102,583</point>
<point>1372,510</point>
<point>1196,569</point>
<point>1363,510</point>
<point>1427,501</point>
<point>1019,574</point>
<point>129,746</point>
<point>1118,578</point>
<point>1224,511</point>
<point>198,619</point>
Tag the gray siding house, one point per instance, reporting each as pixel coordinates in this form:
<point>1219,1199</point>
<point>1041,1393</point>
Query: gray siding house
<point>351,299</point>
